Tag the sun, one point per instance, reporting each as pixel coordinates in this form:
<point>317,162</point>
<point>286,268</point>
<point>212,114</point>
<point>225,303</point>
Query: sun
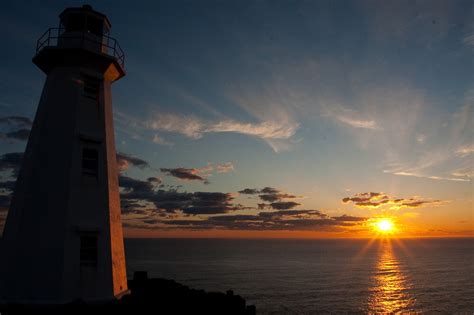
<point>384,226</point>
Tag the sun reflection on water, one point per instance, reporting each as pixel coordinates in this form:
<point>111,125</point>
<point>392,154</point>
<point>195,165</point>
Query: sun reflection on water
<point>390,293</point>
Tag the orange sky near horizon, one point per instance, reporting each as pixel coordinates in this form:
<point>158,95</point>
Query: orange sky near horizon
<point>242,234</point>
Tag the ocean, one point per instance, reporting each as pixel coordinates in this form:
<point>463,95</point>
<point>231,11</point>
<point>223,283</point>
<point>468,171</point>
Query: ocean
<point>319,276</point>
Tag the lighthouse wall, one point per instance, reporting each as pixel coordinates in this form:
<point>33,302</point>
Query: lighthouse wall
<point>65,206</point>
<point>36,225</point>
<point>119,272</point>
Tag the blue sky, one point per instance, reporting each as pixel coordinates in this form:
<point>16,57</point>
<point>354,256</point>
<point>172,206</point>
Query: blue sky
<point>323,100</point>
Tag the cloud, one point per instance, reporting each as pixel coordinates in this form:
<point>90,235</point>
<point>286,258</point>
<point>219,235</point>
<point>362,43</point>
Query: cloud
<point>349,218</point>
<point>159,140</point>
<point>5,201</point>
<point>211,203</point>
<point>125,160</point>
<point>281,205</point>
<point>349,117</point>
<point>469,40</point>
<point>11,162</point>
<point>189,126</point>
<point>420,138</point>
<point>154,180</point>
<point>379,199</point>
<point>274,197</point>
<point>465,150</point>
<point>7,186</point>
<point>356,123</point>
<point>268,194</point>
<point>148,206</point>
<point>137,192</point>
<point>225,167</point>
<point>199,174</point>
<point>137,187</point>
<point>263,130</point>
<point>249,191</point>
<point>269,190</point>
<point>294,214</point>
<point>402,173</point>
<point>450,147</point>
<point>296,220</point>
<point>194,128</point>
<point>21,135</point>
<point>21,125</point>
<point>19,121</point>
<point>183,173</point>
<point>467,173</point>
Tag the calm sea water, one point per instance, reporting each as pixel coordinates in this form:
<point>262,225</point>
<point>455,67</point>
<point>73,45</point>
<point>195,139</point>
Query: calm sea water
<point>315,276</point>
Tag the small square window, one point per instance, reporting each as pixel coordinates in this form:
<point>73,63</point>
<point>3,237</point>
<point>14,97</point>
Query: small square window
<point>90,161</point>
<point>91,88</point>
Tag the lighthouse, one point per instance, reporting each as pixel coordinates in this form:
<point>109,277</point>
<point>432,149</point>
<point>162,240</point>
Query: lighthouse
<point>63,235</point>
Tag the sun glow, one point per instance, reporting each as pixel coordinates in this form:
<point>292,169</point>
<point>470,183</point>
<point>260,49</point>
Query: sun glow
<point>384,226</point>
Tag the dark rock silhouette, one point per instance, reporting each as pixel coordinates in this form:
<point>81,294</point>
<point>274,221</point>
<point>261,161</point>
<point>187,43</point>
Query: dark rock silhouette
<point>148,296</point>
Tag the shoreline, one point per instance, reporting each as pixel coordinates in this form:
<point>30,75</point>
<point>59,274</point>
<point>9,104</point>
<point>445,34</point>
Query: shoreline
<point>163,296</point>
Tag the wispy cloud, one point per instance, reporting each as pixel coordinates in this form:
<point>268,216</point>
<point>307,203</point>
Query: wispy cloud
<point>405,173</point>
<point>160,140</point>
<point>420,138</point>
<point>465,150</point>
<point>447,155</point>
<point>467,172</point>
<point>469,40</point>
<point>349,117</point>
<point>195,128</point>
<point>357,123</point>
<point>263,130</point>
<point>189,126</point>
<point>225,167</point>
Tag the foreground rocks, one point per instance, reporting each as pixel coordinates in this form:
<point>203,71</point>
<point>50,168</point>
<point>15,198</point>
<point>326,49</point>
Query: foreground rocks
<point>149,296</point>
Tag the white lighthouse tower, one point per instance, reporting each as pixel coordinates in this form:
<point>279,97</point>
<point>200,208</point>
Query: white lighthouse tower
<point>63,236</point>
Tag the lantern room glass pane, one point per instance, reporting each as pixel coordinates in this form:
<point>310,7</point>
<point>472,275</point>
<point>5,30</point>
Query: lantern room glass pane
<point>75,23</point>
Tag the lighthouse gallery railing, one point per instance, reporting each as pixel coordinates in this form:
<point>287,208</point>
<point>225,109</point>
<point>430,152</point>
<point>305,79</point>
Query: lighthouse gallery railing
<point>109,45</point>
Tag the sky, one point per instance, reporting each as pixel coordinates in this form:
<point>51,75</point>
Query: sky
<point>273,118</point>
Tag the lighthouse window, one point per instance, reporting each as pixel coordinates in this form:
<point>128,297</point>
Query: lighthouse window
<point>88,251</point>
<point>75,22</point>
<point>91,87</point>
<point>90,161</point>
<point>94,26</point>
